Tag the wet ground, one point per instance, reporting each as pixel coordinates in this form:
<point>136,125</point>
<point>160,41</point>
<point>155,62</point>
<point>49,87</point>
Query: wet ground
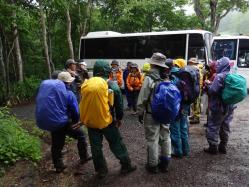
<point>199,169</point>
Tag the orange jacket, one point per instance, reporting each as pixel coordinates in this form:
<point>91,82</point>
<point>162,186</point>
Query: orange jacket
<point>117,76</point>
<point>134,82</point>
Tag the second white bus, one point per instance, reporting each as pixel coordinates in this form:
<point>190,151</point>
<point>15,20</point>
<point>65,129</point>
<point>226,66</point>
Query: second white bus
<point>236,48</point>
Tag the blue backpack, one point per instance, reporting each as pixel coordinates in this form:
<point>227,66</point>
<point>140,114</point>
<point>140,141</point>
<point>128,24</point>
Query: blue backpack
<point>51,105</point>
<point>165,103</point>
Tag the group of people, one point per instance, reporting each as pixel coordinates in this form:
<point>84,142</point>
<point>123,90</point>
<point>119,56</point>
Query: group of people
<point>139,88</point>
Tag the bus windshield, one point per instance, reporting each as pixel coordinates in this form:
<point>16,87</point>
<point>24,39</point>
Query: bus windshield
<point>224,48</point>
<point>243,54</point>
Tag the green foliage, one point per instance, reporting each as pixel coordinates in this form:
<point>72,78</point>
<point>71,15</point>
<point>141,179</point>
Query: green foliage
<point>26,89</point>
<point>235,23</point>
<point>15,142</point>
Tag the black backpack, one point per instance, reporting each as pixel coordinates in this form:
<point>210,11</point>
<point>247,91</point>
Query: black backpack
<point>189,84</point>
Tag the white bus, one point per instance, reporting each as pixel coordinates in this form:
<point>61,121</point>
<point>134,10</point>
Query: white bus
<point>135,47</point>
<point>237,49</point>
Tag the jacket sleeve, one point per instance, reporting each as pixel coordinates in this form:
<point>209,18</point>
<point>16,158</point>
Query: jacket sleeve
<point>144,94</point>
<point>217,85</point>
<point>73,108</point>
<point>140,80</point>
<point>120,75</point>
<point>118,101</point>
<point>128,82</point>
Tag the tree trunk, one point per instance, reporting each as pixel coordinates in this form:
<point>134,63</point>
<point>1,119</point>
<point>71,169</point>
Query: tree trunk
<point>87,16</point>
<point>2,65</point>
<point>213,7</point>
<point>198,12</point>
<point>17,49</point>
<point>45,44</point>
<point>69,39</point>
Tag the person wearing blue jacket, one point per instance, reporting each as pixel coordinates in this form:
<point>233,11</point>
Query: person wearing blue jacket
<point>72,129</point>
<point>179,127</point>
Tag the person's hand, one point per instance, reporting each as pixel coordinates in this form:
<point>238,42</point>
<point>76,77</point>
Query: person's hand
<point>207,82</point>
<point>141,118</point>
<point>73,73</point>
<point>118,123</point>
<point>131,89</point>
<point>76,125</point>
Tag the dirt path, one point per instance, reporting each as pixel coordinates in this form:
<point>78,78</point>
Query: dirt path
<point>198,169</point>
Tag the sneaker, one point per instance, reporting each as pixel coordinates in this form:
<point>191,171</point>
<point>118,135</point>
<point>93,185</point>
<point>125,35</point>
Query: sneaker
<point>83,161</point>
<point>134,113</point>
<point>129,169</point>
<point>152,169</point>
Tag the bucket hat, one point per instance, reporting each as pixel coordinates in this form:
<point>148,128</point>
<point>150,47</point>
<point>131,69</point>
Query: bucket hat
<point>193,61</point>
<point>157,59</point>
<point>65,77</point>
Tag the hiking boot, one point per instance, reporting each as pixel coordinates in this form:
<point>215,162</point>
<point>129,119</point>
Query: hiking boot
<point>176,156</point>
<point>59,166</point>
<point>152,169</point>
<point>102,173</point>
<point>85,160</point>
<point>128,169</point>
<point>212,149</point>
<point>222,149</point>
<point>163,166</point>
<point>194,121</point>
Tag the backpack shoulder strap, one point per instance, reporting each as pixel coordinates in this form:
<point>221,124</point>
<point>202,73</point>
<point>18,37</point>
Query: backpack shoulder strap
<point>156,82</point>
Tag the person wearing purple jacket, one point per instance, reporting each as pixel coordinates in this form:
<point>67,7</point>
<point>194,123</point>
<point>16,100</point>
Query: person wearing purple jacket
<point>221,114</point>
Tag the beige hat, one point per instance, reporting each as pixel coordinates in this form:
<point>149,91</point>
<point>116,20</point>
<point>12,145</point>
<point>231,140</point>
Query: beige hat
<point>157,59</point>
<point>193,61</point>
<point>65,77</point>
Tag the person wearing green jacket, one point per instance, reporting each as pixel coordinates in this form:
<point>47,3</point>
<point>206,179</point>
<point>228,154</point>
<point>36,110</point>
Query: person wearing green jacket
<point>111,132</point>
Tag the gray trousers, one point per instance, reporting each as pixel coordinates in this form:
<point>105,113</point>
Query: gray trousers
<point>156,135</point>
<point>218,126</point>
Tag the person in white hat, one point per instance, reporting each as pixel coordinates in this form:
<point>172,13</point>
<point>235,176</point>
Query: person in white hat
<point>72,129</point>
<point>82,71</point>
<point>154,131</point>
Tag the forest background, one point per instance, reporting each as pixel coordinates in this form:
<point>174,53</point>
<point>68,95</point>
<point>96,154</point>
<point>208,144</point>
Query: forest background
<point>36,37</point>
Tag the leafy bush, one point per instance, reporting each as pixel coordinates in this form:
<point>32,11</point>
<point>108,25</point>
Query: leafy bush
<point>15,142</point>
<point>26,89</point>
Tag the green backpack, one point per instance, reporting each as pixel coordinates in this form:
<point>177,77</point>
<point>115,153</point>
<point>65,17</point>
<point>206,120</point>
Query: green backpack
<point>235,89</point>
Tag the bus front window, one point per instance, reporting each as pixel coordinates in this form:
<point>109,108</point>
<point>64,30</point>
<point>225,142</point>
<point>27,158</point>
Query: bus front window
<point>224,48</point>
<point>243,55</point>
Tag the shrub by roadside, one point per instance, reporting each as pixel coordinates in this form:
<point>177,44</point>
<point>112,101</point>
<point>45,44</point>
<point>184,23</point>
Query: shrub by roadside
<point>15,142</point>
<point>20,92</point>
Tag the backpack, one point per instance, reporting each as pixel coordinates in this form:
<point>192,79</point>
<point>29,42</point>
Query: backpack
<point>189,84</point>
<point>235,89</point>
<point>165,103</point>
<point>94,105</point>
<point>51,105</point>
